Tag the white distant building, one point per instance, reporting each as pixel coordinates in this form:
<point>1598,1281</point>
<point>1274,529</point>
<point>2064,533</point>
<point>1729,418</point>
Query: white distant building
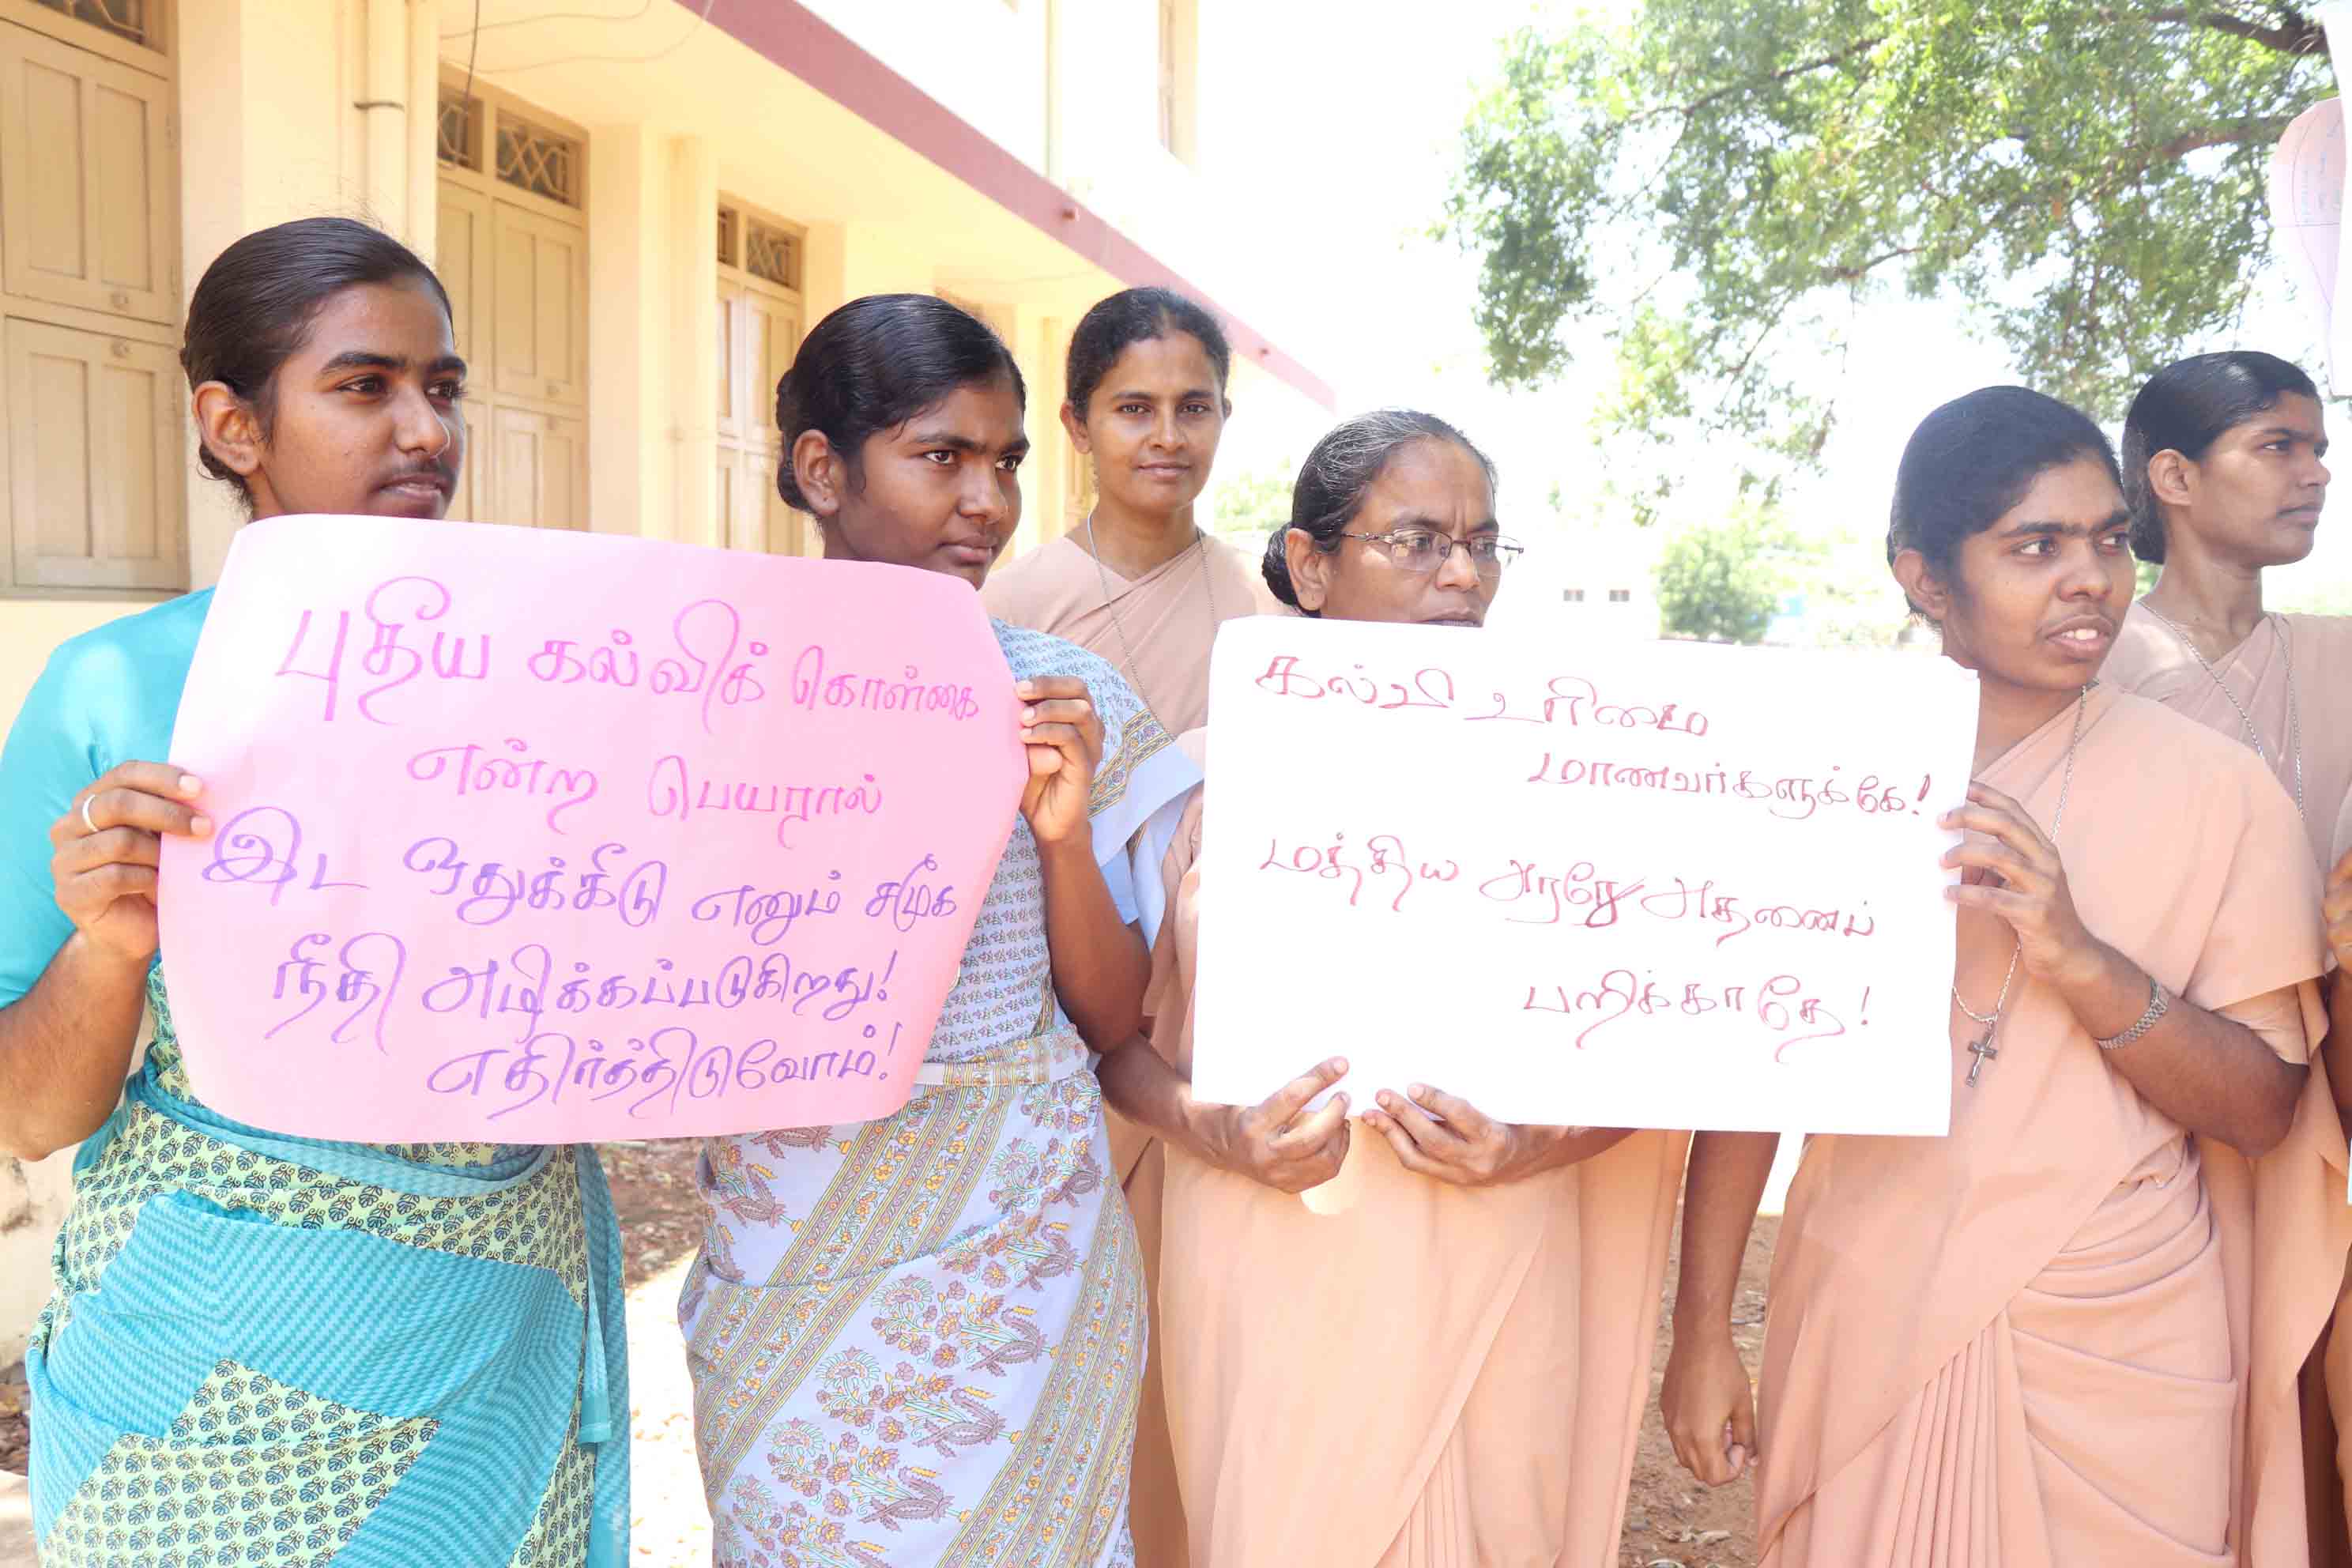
<point>1598,582</point>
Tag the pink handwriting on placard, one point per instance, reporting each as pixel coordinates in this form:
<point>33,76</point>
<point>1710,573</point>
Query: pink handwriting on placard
<point>1584,882</point>
<point>537,837</point>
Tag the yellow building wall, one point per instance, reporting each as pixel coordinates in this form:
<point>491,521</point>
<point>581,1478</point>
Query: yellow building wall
<point>270,128</point>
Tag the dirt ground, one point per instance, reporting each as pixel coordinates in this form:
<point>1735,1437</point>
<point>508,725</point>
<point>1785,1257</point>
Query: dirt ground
<point>14,1434</point>
<point>1670,1519</point>
<point>655,1200</point>
<point>1670,1522</point>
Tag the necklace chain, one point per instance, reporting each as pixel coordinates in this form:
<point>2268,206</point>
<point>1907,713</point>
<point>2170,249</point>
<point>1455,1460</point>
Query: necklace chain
<point>1991,1021</point>
<point>2293,704</point>
<point>1208,592</point>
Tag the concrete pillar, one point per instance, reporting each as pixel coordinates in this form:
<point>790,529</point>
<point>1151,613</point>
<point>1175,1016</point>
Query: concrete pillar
<point>632,487</point>
<point>422,228</point>
<point>693,423</point>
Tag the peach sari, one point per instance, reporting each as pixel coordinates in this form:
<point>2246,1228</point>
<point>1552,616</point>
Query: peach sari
<point>1391,1371</point>
<point>2149,659</point>
<point>2068,1333</point>
<point>1157,628</point>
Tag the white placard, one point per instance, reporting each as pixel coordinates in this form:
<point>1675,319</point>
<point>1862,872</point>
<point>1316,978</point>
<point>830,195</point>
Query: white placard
<point>1615,885</point>
<point>2309,178</point>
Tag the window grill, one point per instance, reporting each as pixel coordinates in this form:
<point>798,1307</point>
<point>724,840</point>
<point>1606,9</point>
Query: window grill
<point>131,20</point>
<point>537,160</point>
<point>458,134</point>
<point>770,253</point>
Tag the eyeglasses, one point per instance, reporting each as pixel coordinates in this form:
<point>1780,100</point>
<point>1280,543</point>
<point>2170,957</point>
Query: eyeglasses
<point>1424,550</point>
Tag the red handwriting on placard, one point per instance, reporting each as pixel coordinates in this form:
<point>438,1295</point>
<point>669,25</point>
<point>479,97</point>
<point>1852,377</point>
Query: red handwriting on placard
<point>1575,701</point>
<point>1383,855</point>
<point>1704,901</point>
<point>1574,892</point>
<point>1425,688</point>
<point>1547,897</point>
<point>1794,797</point>
<point>1778,1005</point>
<point>1566,699</point>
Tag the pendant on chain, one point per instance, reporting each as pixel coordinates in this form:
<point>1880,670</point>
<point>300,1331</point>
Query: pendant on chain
<point>1984,1050</point>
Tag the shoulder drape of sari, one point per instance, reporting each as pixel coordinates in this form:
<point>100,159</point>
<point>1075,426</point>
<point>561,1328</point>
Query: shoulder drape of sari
<point>1392,1370</point>
<point>1156,628</point>
<point>1897,1253</point>
<point>2149,661</point>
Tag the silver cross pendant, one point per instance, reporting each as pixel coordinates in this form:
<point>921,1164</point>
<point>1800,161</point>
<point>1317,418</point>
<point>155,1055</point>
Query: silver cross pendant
<point>1984,1050</point>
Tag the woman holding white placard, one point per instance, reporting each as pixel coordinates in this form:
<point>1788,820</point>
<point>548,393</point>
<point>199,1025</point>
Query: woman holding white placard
<point>2049,1338</point>
<point>264,1348</point>
<point>921,1339</point>
<point>1426,1342</point>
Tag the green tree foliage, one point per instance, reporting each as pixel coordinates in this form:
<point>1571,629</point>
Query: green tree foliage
<point>1723,581</point>
<point>2090,177</point>
<point>1245,506</point>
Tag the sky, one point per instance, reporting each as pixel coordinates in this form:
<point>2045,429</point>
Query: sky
<point>1368,115</point>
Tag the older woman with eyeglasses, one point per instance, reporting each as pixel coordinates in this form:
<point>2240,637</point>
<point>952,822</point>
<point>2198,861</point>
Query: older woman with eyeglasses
<point>1427,1346</point>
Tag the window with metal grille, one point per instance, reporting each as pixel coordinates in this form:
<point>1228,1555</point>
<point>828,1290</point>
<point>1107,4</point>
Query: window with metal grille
<point>1573,595</point>
<point>772,253</point>
<point>1621,596</point>
<point>131,20</point>
<point>459,135</point>
<point>533,159</point>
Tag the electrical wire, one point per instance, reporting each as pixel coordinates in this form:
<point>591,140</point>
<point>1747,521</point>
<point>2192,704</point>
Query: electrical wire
<point>662,53</point>
<point>482,27</point>
<point>473,53</point>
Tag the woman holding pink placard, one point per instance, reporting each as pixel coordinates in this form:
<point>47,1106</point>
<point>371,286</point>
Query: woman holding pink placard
<point>921,1340</point>
<point>264,1348</point>
<point>1414,1341</point>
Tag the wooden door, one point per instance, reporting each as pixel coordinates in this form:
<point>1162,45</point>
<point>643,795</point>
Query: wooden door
<point>88,179</point>
<point>539,307</point>
<point>538,470</point>
<point>94,476</point>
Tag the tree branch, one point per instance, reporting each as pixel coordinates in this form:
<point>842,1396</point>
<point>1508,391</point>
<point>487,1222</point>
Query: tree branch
<point>2189,141</point>
<point>1854,272</point>
<point>2297,35</point>
<point>1787,73</point>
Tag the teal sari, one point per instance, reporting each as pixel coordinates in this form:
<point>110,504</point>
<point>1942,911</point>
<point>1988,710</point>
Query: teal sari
<point>270,1350</point>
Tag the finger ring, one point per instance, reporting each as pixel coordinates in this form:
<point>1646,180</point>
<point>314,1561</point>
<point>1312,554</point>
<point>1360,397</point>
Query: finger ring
<point>86,821</point>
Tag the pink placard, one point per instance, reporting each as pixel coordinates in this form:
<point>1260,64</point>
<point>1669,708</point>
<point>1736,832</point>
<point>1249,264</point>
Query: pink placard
<point>531,838</point>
